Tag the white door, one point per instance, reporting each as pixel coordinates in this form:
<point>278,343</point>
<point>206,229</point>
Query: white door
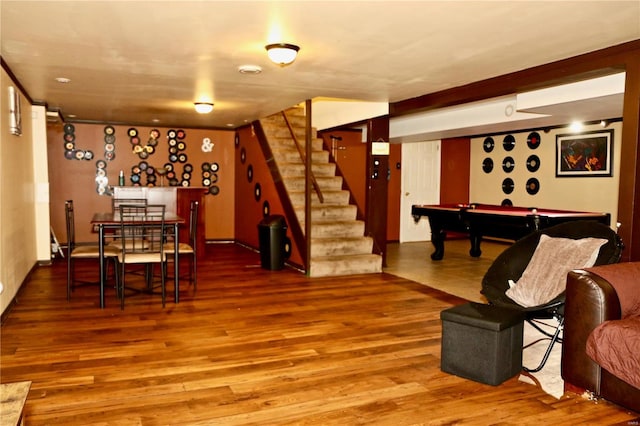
<point>420,185</point>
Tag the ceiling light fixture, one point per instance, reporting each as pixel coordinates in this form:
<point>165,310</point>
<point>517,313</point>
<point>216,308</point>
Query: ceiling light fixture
<point>203,107</point>
<point>249,69</point>
<point>576,126</point>
<point>282,53</point>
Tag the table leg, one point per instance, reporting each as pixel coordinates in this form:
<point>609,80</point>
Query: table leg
<point>437,239</point>
<point>438,235</point>
<point>101,262</point>
<point>476,239</point>
<point>176,282</point>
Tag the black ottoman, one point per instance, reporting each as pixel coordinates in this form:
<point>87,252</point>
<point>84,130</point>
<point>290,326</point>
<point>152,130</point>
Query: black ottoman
<point>481,342</point>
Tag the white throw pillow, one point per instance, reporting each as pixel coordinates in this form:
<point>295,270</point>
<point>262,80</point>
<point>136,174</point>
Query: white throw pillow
<point>545,277</point>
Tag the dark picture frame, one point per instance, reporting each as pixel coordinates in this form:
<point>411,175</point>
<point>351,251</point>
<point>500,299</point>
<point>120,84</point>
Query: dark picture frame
<point>587,154</point>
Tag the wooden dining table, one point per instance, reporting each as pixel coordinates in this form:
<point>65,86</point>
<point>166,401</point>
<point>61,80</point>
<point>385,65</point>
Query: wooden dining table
<point>111,221</point>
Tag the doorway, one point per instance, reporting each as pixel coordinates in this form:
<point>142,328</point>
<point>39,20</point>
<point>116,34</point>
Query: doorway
<point>420,185</point>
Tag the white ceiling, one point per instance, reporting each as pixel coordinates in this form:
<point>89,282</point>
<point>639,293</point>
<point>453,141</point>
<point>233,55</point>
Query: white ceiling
<point>139,61</point>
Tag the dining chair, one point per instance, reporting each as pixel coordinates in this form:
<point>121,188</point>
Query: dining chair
<point>188,249</point>
<point>77,251</point>
<point>115,208</point>
<point>142,236</point>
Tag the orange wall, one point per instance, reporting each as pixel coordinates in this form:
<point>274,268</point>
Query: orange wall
<point>351,158</point>
<point>353,161</point>
<point>455,170</point>
<point>75,179</point>
<point>232,214</point>
<point>250,209</point>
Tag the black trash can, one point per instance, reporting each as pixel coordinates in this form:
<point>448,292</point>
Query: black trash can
<point>272,235</point>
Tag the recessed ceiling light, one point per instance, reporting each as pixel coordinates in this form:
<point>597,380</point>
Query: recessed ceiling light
<point>71,115</point>
<point>155,120</point>
<point>63,80</point>
<point>249,69</point>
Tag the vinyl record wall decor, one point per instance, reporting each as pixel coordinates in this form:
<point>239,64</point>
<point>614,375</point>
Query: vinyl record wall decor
<point>487,165</point>
<point>176,171</point>
<point>513,164</point>
<point>71,151</point>
<point>209,175</point>
<point>508,143</point>
<point>533,140</point>
<point>533,163</point>
<point>488,144</point>
<point>143,150</point>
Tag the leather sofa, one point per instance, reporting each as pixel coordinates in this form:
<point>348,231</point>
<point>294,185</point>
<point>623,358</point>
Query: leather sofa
<point>592,299</point>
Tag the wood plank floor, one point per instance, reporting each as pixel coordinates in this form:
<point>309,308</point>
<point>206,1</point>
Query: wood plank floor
<point>256,347</point>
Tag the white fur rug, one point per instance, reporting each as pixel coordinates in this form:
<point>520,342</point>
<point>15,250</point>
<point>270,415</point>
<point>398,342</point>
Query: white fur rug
<point>549,378</point>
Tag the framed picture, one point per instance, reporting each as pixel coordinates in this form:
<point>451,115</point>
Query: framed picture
<point>586,154</point>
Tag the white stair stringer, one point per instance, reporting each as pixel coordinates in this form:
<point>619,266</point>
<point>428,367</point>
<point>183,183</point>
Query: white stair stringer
<point>338,244</point>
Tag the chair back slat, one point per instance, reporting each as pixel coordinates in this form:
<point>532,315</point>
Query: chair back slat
<point>70,222</point>
<point>193,224</point>
<point>142,231</point>
<point>116,202</point>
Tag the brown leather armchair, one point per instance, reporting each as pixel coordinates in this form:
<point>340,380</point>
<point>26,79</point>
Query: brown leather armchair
<point>591,300</point>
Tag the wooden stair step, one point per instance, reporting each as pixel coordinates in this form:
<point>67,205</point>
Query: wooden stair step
<point>296,119</point>
<point>321,247</point>
<point>326,183</point>
<point>297,169</point>
<point>323,212</point>
<point>289,155</point>
<point>340,197</point>
<point>345,265</point>
<point>282,140</point>
<point>336,228</point>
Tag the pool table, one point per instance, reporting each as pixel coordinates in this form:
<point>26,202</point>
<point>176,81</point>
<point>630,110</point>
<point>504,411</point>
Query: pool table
<point>478,220</point>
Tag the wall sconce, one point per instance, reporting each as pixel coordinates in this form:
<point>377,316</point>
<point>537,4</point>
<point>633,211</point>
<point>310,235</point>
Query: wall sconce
<point>282,53</point>
<point>15,117</point>
<point>203,107</point>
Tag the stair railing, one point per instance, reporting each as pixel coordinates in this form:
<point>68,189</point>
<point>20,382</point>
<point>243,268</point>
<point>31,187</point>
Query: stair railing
<point>314,183</point>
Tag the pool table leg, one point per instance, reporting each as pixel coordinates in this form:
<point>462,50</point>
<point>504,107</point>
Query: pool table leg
<point>475,239</point>
<point>437,239</point>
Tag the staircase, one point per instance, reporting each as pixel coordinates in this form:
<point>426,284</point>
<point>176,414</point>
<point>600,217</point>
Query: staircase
<point>338,244</point>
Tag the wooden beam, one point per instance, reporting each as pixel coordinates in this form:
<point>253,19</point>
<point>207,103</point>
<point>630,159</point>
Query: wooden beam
<point>589,65</point>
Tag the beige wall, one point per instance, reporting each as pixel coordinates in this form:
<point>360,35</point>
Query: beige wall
<point>18,247</point>
<point>593,194</point>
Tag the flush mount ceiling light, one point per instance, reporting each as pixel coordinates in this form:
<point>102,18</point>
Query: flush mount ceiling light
<point>282,53</point>
<point>249,69</point>
<point>203,107</point>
